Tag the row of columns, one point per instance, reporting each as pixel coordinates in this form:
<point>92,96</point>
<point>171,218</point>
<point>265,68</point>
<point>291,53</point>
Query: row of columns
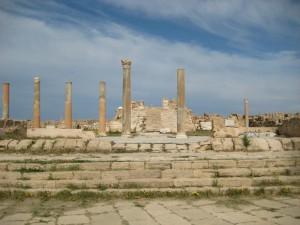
<point>126,98</point>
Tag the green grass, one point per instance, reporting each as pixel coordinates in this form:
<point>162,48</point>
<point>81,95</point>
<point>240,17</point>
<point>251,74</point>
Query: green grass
<point>246,141</point>
<point>29,170</point>
<point>199,133</point>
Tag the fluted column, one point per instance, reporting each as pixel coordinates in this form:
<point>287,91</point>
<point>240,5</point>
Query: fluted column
<point>180,103</point>
<point>246,112</point>
<point>36,123</point>
<point>126,113</point>
<point>68,105</point>
<point>5,101</point>
<point>102,108</point>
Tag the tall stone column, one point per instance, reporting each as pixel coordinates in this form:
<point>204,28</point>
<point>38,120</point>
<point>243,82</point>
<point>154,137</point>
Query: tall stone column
<point>126,113</point>
<point>246,112</point>
<point>180,103</point>
<point>68,105</point>
<point>102,109</point>
<point>5,101</point>
<point>36,123</point>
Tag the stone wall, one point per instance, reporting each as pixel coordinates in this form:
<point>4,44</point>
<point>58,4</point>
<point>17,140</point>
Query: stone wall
<point>42,146</point>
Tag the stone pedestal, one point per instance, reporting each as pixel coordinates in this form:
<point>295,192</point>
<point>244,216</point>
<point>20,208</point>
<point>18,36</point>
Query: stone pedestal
<point>102,109</point>
<point>5,101</point>
<point>36,123</point>
<point>126,113</point>
<point>180,103</point>
<point>68,105</point>
<point>246,112</point>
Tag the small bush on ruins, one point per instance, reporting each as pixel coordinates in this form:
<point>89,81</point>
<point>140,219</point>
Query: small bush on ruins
<point>246,141</point>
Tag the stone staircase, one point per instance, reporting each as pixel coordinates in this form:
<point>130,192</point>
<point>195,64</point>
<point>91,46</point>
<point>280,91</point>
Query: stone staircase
<point>254,171</point>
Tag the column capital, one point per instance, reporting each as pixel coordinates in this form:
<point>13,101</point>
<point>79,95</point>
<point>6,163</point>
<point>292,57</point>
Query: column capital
<point>126,63</point>
<point>36,79</point>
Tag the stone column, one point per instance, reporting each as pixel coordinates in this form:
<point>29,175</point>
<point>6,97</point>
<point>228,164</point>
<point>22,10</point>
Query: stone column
<point>126,113</point>
<point>5,101</point>
<point>246,112</point>
<point>36,123</point>
<point>68,105</point>
<point>180,103</point>
<point>102,109</point>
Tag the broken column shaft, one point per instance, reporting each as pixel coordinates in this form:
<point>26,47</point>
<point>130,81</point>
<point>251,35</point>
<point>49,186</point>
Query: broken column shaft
<point>246,112</point>
<point>180,103</point>
<point>102,109</point>
<point>126,113</point>
<point>36,123</point>
<point>5,101</point>
<point>68,105</point>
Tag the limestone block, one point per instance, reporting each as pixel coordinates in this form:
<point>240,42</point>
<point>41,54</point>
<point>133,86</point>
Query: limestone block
<point>70,145</point>
<point>146,183</point>
<point>287,144</point>
<point>62,175</point>
<point>241,172</point>
<point>132,147</point>
<point>258,144</point>
<point>104,146</point>
<point>222,163</point>
<point>229,123</point>
<point>92,145</point>
<point>201,164</point>
<point>227,144</point>
<point>234,182</point>
<point>217,144</point>
<point>274,145</point>
<point>248,163</point>
<point>3,166</point>
<point>12,145</point>
<point>87,175</point>
<point>281,162</point>
<point>206,125</point>
<point>6,175</point>
<point>182,147</point>
<point>205,145</point>
<point>120,166</point>
<point>95,166</point>
<point>193,182</point>
<point>157,148</point>
<point>23,145</point>
<point>259,172</point>
<point>139,174</point>
<point>145,148</point>
<point>177,173</point>
<point>117,174</point>
<point>48,146</point>
<point>182,165</point>
<point>80,145</point>
<point>37,176</point>
<point>194,147</point>
<point>4,144</point>
<point>158,165</point>
<point>200,173</point>
<point>38,145</point>
<point>59,145</point>
<point>136,165</point>
<point>238,144</point>
<point>118,147</point>
<point>170,148</point>
<point>296,143</point>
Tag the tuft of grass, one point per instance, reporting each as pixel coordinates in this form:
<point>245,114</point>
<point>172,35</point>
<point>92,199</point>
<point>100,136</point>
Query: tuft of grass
<point>246,140</point>
<point>29,170</point>
<point>50,177</point>
<point>102,187</point>
<point>274,182</point>
<point>199,133</point>
<point>215,183</point>
<point>76,187</point>
<point>237,192</point>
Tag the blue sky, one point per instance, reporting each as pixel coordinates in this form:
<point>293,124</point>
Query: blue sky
<point>230,49</point>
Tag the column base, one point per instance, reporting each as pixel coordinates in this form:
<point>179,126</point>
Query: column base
<point>181,135</point>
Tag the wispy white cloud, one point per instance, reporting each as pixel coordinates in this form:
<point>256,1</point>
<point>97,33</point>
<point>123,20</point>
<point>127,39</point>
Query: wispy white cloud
<point>215,80</point>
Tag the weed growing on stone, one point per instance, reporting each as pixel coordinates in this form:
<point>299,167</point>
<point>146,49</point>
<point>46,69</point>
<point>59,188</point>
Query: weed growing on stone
<point>246,141</point>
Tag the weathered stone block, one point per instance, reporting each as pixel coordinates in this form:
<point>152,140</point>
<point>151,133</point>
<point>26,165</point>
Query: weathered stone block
<point>92,145</point>
<point>182,165</point>
<point>227,144</point>
<point>62,175</point>
<point>132,147</point>
<point>118,147</point>
<point>217,144</point>
<point>205,145</point>
<point>48,146</point>
<point>248,163</point>
<point>201,164</point>
<point>258,144</point>
<point>275,145</point>
<point>157,148</point>
<point>241,172</point>
<point>59,145</point>
<point>296,143</point>
<point>158,165</point>
<point>181,147</point>
<point>120,165</point>
<point>12,145</point>
<point>193,182</point>
<point>280,162</point>
<point>104,146</point>
<point>139,174</point>
<point>23,145</point>
<point>177,173</point>
<point>69,145</point>
<point>95,166</point>
<point>200,173</point>
<point>4,144</point>
<point>238,144</point>
<point>287,144</point>
<point>117,174</point>
<point>38,145</point>
<point>146,183</point>
<point>194,147</point>
<point>136,165</point>
<point>145,148</point>
<point>234,182</point>
<point>87,175</point>
<point>222,163</point>
<point>170,148</point>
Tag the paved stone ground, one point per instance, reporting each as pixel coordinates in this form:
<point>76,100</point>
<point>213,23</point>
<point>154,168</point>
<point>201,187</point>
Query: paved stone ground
<point>219,211</point>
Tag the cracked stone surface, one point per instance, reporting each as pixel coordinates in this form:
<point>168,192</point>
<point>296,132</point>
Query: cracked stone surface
<point>279,210</point>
